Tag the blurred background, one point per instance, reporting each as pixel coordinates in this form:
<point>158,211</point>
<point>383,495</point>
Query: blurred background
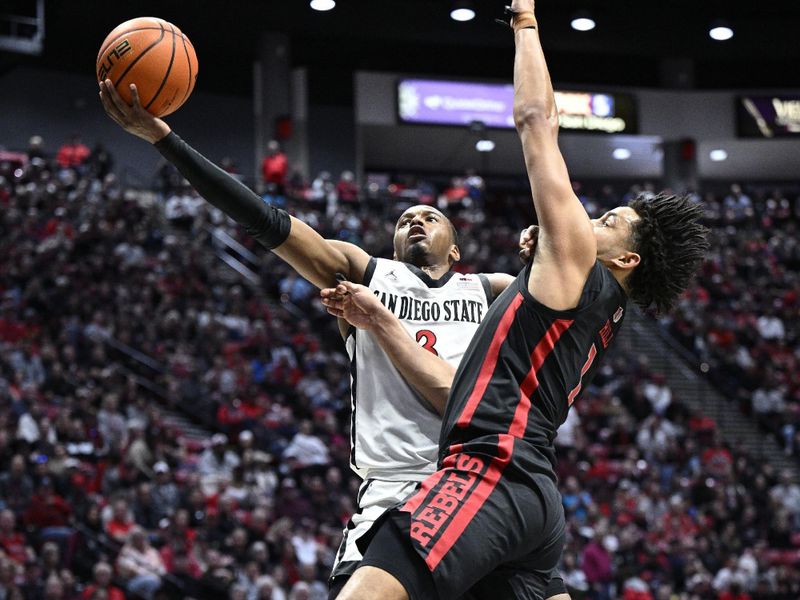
<point>174,401</point>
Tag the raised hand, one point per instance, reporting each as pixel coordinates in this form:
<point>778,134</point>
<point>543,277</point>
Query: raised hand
<point>132,117</point>
<point>520,6</point>
<point>527,243</point>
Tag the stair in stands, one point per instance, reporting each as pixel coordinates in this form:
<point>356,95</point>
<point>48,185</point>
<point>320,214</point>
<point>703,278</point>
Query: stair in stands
<point>642,336</point>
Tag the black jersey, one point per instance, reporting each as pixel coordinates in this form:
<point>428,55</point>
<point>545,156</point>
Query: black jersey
<point>523,370</point>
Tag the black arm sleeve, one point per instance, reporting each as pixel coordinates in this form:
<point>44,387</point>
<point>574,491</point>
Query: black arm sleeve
<point>268,225</point>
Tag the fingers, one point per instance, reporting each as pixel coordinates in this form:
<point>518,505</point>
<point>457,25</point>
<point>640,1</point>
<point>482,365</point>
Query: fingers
<point>108,104</point>
<point>333,301</point>
<point>115,102</point>
<point>135,98</point>
<point>336,293</point>
<point>335,312</point>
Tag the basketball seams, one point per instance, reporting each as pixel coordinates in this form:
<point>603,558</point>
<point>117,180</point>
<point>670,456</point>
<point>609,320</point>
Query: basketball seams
<point>166,75</point>
<point>189,63</point>
<point>105,48</point>
<point>122,34</point>
<point>138,58</point>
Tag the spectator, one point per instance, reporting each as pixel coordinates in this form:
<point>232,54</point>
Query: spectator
<point>274,168</point>
<point>73,153</point>
<point>597,566</point>
<point>164,493</point>
<point>140,565</point>
<point>12,542</point>
<point>306,449</point>
<point>786,494</point>
<point>102,582</point>
<point>120,524</point>
<point>217,462</point>
<point>346,189</point>
<point>16,486</point>
<point>49,513</point>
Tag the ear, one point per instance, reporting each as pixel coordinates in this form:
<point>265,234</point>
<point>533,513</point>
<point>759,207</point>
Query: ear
<point>454,255</point>
<point>626,261</point>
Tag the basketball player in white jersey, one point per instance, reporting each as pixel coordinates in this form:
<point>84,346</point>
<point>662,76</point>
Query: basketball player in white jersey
<point>395,431</point>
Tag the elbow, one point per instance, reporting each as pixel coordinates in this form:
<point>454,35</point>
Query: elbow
<point>536,117</point>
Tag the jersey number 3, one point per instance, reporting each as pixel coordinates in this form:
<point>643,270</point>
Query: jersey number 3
<point>427,339</point>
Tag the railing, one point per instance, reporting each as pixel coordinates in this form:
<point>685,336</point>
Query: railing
<point>225,246</point>
<point>686,377</point>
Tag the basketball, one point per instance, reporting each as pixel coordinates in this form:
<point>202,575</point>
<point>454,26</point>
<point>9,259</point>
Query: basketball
<point>156,56</point>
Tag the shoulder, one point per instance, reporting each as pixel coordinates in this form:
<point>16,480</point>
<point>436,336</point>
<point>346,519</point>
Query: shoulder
<point>498,282</point>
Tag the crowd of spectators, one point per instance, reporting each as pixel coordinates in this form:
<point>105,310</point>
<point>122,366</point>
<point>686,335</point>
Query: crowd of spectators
<point>115,313</point>
<point>742,317</point>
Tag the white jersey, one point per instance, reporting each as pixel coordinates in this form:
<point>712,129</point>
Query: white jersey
<point>394,431</point>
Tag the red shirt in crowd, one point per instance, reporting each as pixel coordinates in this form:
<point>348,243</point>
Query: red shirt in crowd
<point>732,596</point>
<point>274,168</point>
<point>14,546</point>
<point>113,593</point>
<point>72,154</point>
<point>118,529</point>
<point>49,510</point>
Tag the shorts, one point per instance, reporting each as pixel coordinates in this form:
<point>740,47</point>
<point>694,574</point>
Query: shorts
<point>375,497</point>
<point>473,530</point>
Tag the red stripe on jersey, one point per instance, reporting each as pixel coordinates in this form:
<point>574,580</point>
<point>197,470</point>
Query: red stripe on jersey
<point>414,502</point>
<point>490,362</point>
<point>476,499</point>
<point>531,381</point>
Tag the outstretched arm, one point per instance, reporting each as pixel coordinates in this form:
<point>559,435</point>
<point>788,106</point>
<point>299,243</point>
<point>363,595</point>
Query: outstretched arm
<point>313,257</point>
<point>566,249</point>
<point>428,374</point>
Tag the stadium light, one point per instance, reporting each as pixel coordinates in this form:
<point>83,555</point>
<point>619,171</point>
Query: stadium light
<point>323,5</point>
<point>462,11</point>
<point>621,153</point>
<point>484,146</point>
<point>718,155</point>
<point>582,21</point>
<point>720,32</point>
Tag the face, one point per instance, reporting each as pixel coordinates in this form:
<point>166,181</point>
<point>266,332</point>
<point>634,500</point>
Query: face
<point>423,237</point>
<point>613,232</point>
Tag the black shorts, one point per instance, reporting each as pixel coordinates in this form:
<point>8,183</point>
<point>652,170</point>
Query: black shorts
<point>472,531</point>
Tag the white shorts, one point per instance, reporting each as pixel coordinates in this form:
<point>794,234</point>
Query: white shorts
<point>375,496</point>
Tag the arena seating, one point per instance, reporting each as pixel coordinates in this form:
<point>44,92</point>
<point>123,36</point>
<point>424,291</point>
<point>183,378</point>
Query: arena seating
<point>116,314</point>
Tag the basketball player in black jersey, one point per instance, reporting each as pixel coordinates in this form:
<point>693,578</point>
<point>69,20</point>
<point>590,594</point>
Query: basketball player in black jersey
<point>489,522</point>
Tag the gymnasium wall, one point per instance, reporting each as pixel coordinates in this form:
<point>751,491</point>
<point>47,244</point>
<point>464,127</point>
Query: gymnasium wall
<point>708,117</point>
<point>55,105</point>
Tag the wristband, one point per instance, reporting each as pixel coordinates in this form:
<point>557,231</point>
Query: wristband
<point>518,20</point>
<point>523,20</point>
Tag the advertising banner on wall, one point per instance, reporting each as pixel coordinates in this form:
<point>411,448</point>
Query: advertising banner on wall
<point>768,116</point>
<point>455,103</point>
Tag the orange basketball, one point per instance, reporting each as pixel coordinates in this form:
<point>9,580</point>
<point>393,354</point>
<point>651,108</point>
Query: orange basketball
<point>156,56</point>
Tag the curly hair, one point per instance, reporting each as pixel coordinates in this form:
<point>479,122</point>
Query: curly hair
<point>672,244</point>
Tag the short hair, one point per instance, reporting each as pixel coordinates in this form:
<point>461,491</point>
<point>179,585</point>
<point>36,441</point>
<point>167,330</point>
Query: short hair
<point>672,243</point>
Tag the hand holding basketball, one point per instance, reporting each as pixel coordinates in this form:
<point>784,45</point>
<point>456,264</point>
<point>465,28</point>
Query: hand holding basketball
<point>132,117</point>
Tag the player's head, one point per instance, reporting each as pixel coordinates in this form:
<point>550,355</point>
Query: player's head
<point>423,236</point>
<point>655,245</point>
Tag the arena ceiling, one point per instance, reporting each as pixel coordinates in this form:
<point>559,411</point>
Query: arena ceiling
<point>628,47</point>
